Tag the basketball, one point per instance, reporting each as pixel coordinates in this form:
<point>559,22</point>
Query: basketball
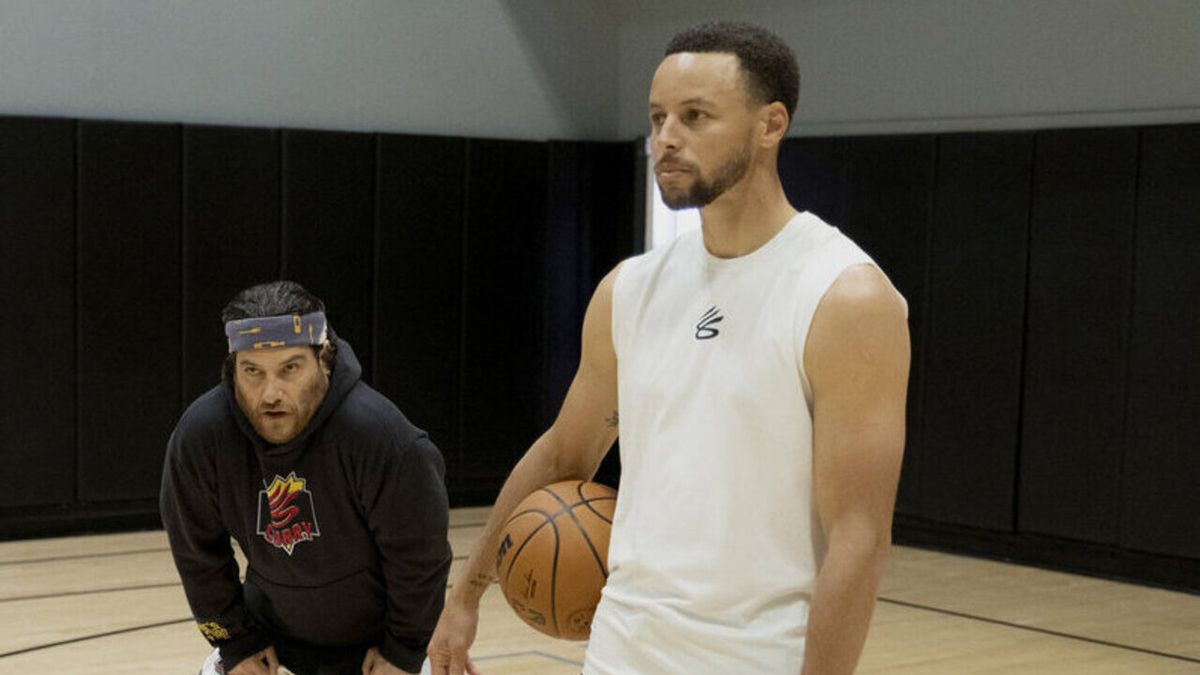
<point>552,560</point>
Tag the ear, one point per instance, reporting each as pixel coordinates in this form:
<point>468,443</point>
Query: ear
<point>774,120</point>
<point>326,350</point>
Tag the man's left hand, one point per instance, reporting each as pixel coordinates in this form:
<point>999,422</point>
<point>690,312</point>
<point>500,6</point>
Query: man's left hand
<point>375,664</point>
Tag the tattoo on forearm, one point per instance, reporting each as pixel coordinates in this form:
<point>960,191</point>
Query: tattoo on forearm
<point>614,421</point>
<point>481,580</point>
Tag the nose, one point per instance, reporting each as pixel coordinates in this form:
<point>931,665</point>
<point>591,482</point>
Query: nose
<point>666,139</point>
<point>272,393</point>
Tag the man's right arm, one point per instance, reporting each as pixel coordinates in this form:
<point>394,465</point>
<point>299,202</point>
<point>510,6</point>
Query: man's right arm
<point>571,448</point>
<point>204,557</point>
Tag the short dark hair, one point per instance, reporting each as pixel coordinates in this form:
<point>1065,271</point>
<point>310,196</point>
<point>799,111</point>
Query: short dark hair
<point>772,73</point>
<point>275,298</point>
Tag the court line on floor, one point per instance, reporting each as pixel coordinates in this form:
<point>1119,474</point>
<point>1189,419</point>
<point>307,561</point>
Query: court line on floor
<point>901,603</point>
<point>81,556</point>
<point>547,655</point>
<point>90,591</point>
<point>1044,631</point>
<point>172,622</point>
<point>109,554</point>
<point>124,630</point>
<point>94,591</point>
<point>85,638</point>
<point>463,525</point>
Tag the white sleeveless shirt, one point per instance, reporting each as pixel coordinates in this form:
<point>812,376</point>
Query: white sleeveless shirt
<point>715,544</point>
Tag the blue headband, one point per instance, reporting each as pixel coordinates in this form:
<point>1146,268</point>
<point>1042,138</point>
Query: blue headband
<point>268,332</point>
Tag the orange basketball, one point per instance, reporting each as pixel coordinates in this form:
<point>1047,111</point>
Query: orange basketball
<point>553,556</point>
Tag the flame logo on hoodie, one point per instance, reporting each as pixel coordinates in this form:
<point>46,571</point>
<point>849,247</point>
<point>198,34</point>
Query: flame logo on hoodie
<point>285,513</point>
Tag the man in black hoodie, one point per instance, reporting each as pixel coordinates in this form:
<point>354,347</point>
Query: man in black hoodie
<point>335,498</point>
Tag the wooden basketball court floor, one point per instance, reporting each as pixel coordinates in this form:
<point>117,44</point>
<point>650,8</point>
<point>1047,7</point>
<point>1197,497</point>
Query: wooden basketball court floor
<point>113,604</point>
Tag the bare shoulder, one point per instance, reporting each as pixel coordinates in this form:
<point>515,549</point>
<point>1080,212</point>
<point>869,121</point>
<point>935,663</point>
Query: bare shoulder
<point>598,319</point>
<point>604,289</point>
<point>597,326</point>
<point>863,290</point>
<point>862,317</point>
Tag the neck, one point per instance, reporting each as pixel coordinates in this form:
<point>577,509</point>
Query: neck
<point>747,215</point>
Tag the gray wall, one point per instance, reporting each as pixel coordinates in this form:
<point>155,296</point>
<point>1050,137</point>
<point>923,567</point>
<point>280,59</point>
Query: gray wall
<point>580,69</point>
<point>512,69</point>
<point>896,66</point>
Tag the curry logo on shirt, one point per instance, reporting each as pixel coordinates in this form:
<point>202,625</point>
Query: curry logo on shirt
<point>705,329</point>
<point>285,513</point>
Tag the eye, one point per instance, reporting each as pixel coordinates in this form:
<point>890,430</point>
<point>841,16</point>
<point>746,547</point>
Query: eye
<point>696,115</point>
<point>656,119</point>
<point>250,370</point>
<point>291,368</point>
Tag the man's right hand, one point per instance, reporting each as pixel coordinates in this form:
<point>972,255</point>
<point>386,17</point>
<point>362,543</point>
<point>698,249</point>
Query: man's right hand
<point>262,663</point>
<point>570,449</point>
<point>452,638</point>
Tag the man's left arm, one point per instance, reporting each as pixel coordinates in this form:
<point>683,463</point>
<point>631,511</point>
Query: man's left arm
<point>407,509</point>
<point>857,360</point>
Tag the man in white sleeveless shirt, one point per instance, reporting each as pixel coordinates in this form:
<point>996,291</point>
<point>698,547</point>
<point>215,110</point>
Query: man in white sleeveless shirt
<point>760,370</point>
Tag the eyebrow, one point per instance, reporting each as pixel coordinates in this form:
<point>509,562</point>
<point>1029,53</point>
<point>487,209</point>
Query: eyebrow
<point>248,362</point>
<point>695,100</point>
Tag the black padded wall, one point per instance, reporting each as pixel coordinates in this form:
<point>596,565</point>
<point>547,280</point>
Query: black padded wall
<point>612,206</point>
<point>972,385</point>
<point>231,236</point>
<point>129,305</point>
<point>813,171</point>
<point>568,270</point>
<point>418,309</point>
<point>1077,332</point>
<point>503,332</point>
<point>1052,407</point>
<point>890,184</point>
<point>590,229</point>
<point>1160,486</point>
<point>37,292</point>
<point>588,232</point>
<point>329,228</point>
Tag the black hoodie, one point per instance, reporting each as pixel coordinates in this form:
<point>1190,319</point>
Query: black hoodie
<point>344,527</point>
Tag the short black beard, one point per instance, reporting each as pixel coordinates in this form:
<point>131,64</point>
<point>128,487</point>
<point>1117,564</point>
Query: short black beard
<point>702,193</point>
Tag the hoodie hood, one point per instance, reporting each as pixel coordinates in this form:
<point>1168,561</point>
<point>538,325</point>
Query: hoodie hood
<point>346,373</point>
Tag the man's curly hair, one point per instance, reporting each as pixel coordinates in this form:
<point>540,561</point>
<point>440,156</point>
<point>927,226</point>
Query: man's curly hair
<point>772,73</point>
